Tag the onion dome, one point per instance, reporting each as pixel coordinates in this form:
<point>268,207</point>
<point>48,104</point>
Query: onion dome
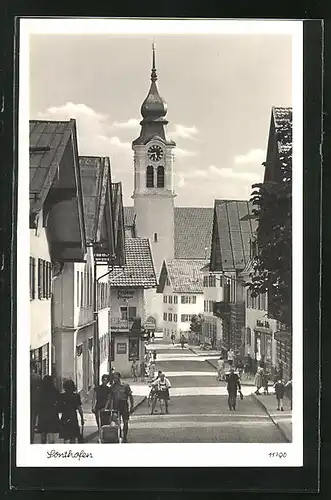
<point>153,107</point>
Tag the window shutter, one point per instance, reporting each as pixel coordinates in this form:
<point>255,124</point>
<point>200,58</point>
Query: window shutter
<point>40,278</point>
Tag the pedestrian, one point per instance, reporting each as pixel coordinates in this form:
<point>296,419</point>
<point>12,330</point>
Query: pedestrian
<point>100,398</point>
<point>154,356</point>
<point>288,390</point>
<point>279,391</point>
<point>120,396</point>
<point>152,369</point>
<point>70,404</point>
<point>153,337</point>
<point>162,385</point>
<point>173,338</point>
<point>265,381</point>
<point>240,368</point>
<point>111,375</point>
<point>134,370</point>
<point>220,369</point>
<point>142,370</point>
<point>230,356</point>
<point>48,419</point>
<point>258,380</point>
<point>182,341</point>
<point>233,385</point>
<point>35,383</point>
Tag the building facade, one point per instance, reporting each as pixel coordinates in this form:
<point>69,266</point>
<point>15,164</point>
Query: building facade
<point>128,316</point>
<point>212,327</point>
<point>180,284</point>
<point>57,228</point>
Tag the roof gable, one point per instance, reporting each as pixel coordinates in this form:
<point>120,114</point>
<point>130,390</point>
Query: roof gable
<point>184,274</point>
<point>233,229</point>
<point>138,271</point>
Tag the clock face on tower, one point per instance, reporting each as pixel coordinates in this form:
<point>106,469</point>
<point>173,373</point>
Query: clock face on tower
<point>155,152</point>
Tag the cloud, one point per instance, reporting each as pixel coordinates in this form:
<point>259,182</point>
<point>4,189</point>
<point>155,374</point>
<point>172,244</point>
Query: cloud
<point>253,156</point>
<point>131,123</point>
<point>184,152</point>
<point>229,173</point>
<point>184,132</point>
<point>116,141</point>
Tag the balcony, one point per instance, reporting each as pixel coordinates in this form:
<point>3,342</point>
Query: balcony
<point>125,325</point>
<point>221,309</point>
<point>262,326</point>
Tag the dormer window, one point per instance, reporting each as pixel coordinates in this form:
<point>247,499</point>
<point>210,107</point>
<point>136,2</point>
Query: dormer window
<point>155,238</point>
<point>150,176</point>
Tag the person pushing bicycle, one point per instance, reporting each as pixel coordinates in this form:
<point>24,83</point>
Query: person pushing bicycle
<point>162,386</point>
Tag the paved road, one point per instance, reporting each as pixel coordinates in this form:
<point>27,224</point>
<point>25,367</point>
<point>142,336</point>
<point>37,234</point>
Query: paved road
<point>198,407</point>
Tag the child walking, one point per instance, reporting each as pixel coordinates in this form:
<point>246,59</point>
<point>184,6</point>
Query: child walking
<point>279,391</point>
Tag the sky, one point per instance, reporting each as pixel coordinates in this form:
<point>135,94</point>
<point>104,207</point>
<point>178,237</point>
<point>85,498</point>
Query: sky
<point>219,90</point>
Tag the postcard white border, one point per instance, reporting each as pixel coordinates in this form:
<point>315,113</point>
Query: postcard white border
<point>143,455</point>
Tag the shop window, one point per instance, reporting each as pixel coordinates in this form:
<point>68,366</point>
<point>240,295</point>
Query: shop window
<point>133,348</point>
<point>150,176</point>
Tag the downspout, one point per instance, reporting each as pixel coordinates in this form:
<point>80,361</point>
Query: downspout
<point>96,347</point>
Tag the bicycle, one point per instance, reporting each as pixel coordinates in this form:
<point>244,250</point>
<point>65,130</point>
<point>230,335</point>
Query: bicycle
<point>162,403</point>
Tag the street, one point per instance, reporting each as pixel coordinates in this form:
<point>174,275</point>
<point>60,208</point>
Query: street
<point>198,409</point>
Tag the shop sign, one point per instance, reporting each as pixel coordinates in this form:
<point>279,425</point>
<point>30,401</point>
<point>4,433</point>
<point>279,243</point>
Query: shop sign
<point>125,294</point>
<point>121,348</point>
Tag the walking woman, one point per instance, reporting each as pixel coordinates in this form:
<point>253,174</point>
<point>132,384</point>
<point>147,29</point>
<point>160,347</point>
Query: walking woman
<point>48,418</point>
<point>70,403</point>
<point>259,380</point>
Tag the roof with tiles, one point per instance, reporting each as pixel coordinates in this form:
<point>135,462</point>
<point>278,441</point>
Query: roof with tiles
<point>138,271</point>
<point>193,229</point>
<point>185,275</point>
<point>95,176</point>
<point>48,142</point>
<point>233,229</point>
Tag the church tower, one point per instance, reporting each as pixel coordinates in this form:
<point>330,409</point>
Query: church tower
<point>153,193</point>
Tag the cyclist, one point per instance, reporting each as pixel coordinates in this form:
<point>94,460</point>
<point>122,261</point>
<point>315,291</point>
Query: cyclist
<point>120,393</point>
<point>162,386</point>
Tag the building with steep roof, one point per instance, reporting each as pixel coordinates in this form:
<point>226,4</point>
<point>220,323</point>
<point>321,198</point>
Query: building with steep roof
<point>57,228</point>
<point>181,287</point>
<point>129,286</point>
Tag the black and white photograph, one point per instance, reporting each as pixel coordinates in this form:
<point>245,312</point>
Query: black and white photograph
<point>155,302</point>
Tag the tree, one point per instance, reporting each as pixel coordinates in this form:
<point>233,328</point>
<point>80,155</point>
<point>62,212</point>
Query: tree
<point>196,324</point>
<point>272,202</point>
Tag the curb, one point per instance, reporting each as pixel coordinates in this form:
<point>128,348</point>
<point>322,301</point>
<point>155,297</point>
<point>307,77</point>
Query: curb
<point>95,433</point>
<point>263,406</point>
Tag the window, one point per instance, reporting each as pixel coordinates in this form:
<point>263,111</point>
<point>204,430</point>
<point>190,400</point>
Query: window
<point>164,316</point>
<point>248,336</point>
<point>168,282</point>
<point>44,279</point>
<point>170,299</point>
<point>165,299</point>
<point>204,306</point>
<point>160,177</point>
<point>150,176</point>
<point>132,313</point>
<point>185,318</point>
<point>175,299</point>
<point>133,348</point>
<point>88,288</point>
<point>124,313</point>
<point>170,317</point>
<point>205,281</point>
<point>81,289</point>
<point>32,278</point>
<point>194,299</point>
<point>155,237</point>
<point>182,299</point>
<point>220,280</point>
<point>175,318</point>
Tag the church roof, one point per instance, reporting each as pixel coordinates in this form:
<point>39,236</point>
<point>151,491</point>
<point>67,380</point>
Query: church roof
<point>138,271</point>
<point>193,229</point>
<point>185,275</point>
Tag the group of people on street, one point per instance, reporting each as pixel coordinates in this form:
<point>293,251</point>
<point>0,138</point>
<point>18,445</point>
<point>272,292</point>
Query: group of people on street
<point>113,395</point>
<point>146,367</point>
<point>161,386</point>
<point>53,412</point>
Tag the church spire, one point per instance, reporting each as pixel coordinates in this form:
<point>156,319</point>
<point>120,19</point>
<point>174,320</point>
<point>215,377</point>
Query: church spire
<point>153,75</point>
